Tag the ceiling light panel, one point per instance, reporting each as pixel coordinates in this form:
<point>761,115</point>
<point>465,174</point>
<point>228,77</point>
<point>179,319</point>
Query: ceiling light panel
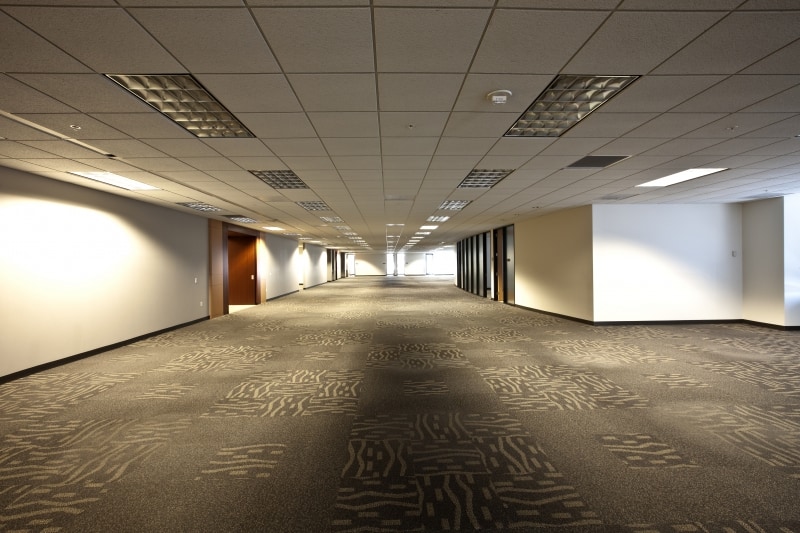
<point>566,101</point>
<point>436,218</point>
<point>240,218</point>
<point>679,177</point>
<point>200,206</point>
<point>454,205</point>
<point>483,178</point>
<point>280,179</point>
<point>182,99</point>
<point>331,219</point>
<point>314,205</point>
<point>117,181</point>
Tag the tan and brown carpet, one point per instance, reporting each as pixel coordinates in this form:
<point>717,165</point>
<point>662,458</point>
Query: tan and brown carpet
<point>405,404</point>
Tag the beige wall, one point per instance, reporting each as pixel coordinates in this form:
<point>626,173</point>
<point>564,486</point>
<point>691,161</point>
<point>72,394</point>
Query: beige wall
<point>553,263</point>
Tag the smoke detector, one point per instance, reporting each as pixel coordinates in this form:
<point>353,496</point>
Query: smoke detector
<point>498,97</point>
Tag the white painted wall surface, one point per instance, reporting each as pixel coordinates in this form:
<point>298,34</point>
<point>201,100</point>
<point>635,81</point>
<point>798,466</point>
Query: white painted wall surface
<point>87,269</point>
<point>315,265</point>
<point>373,264</point>
<point>415,264</point>
<point>553,266</point>
<point>791,259</point>
<point>283,266</point>
<point>443,262</point>
<point>763,280</point>
<point>667,262</point>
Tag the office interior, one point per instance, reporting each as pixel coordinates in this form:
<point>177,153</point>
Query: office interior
<point>348,134</point>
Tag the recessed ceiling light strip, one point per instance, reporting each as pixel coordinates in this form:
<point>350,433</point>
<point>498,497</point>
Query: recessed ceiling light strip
<point>181,98</point>
<point>566,101</point>
<point>680,177</point>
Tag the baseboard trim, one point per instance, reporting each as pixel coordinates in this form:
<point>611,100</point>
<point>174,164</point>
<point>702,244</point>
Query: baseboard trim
<point>660,322</point>
<point>95,351</point>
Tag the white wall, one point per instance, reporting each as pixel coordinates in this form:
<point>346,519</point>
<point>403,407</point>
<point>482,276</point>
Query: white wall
<point>443,262</point>
<point>81,269</point>
<point>553,263</point>
<point>370,264</point>
<point>763,281</point>
<point>283,266</point>
<point>415,264</point>
<point>315,266</point>
<point>667,262</point>
<point>791,259</point>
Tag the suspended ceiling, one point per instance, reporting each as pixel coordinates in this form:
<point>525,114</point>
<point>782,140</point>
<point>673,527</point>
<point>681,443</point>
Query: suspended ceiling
<point>380,107</point>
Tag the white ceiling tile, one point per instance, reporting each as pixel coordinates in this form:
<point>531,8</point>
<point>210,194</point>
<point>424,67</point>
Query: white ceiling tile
<point>418,92</point>
<point>780,147</point>
<point>674,124</point>
<point>182,147</point>
<point>522,41</point>
<point>779,62</point>
<point>658,93</point>
<point>25,150</point>
<point>90,128</point>
<point>737,41</point>
<point>252,93</point>
<point>210,163</point>
<point>609,124</point>
<point>784,129</point>
<point>506,162</point>
<point>63,149</point>
<point>678,147</point>
<point>157,164</point>
<point>357,162</point>
<point>237,42</point>
<point>462,124</point>
<point>352,146</point>
<point>406,162</point>
<point>454,162</point>
<point>335,92</point>
<point>680,5</point>
<point>739,124</point>
<point>788,100</point>
<point>102,38</point>
<point>296,147</point>
<point>140,125</point>
<point>20,98</point>
<point>735,146</point>
<point>32,53</point>
<point>350,124</point>
<point>654,36</point>
<point>521,146</point>
<point>405,37</point>
<point>258,163</point>
<point>409,145</point>
<point>319,40</point>
<point>277,125</point>
<point>628,146</point>
<point>475,146</point>
<point>401,124</point>
<point>738,92</point>
<point>308,163</point>
<point>238,147</point>
<point>89,93</point>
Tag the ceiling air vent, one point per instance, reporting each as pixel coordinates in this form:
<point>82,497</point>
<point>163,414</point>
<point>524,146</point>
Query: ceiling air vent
<point>597,161</point>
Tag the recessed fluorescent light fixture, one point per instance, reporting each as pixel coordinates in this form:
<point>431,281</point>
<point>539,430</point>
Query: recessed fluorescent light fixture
<point>240,218</point>
<point>200,206</point>
<point>331,219</point>
<point>182,99</point>
<point>436,218</point>
<point>454,205</point>
<point>280,179</point>
<point>314,205</point>
<point>272,228</point>
<point>483,178</point>
<point>117,181</point>
<point>679,177</point>
<point>428,227</point>
<point>566,101</point>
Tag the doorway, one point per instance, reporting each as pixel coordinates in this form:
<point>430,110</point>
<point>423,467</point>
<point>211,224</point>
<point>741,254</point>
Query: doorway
<point>504,264</point>
<point>241,269</point>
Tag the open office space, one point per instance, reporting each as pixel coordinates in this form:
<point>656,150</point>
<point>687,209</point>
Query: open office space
<point>513,264</point>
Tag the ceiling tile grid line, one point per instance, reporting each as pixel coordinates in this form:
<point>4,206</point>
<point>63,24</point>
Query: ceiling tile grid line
<point>329,91</point>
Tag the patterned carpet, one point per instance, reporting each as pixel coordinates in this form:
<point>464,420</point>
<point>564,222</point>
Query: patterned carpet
<point>403,404</point>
